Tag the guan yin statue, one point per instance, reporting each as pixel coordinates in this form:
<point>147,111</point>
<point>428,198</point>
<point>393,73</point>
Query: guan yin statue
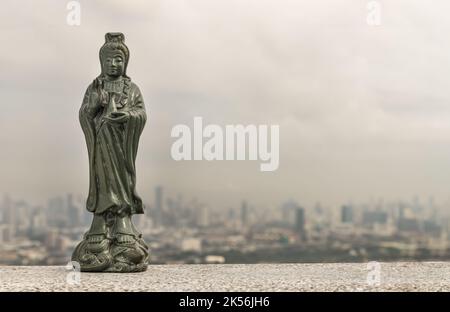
<point>112,117</point>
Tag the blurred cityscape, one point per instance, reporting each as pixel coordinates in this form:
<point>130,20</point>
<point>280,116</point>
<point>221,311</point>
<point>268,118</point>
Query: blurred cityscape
<point>188,231</point>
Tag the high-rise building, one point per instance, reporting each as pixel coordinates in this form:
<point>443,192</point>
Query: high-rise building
<point>6,233</point>
<point>408,225</point>
<point>371,217</point>
<point>202,215</point>
<point>157,214</point>
<point>288,212</point>
<point>38,224</point>
<point>347,214</point>
<point>73,213</point>
<point>8,211</point>
<point>300,222</point>
<point>22,212</point>
<point>9,219</point>
<point>56,212</point>
<point>244,214</point>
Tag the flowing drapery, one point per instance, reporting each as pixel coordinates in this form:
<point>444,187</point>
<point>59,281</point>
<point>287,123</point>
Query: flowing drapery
<point>112,148</point>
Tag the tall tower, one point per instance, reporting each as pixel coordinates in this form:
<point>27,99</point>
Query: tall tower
<point>347,214</point>
<point>300,222</point>
<point>8,211</point>
<point>244,214</point>
<point>73,212</point>
<point>8,228</point>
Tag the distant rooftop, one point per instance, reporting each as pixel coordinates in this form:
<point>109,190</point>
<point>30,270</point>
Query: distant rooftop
<point>398,276</point>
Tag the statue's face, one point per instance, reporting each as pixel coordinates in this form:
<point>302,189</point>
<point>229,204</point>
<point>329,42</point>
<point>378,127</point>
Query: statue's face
<point>114,64</point>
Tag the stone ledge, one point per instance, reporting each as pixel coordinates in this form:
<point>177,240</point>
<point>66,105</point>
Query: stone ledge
<point>399,276</point>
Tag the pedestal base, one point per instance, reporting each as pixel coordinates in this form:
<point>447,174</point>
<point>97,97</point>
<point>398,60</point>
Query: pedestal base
<point>110,256</point>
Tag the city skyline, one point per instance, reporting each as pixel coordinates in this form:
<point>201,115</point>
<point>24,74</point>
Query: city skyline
<point>185,230</point>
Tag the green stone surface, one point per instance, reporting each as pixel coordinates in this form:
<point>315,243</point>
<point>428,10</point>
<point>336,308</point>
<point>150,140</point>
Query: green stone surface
<point>112,117</point>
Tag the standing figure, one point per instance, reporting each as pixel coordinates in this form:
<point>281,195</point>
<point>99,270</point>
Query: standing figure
<point>112,117</point>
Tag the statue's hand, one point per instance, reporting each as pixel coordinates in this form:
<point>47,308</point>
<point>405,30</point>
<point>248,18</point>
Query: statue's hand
<point>118,117</point>
<point>94,104</point>
<point>94,97</point>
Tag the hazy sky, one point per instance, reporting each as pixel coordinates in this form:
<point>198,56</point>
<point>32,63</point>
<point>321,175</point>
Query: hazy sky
<point>363,111</point>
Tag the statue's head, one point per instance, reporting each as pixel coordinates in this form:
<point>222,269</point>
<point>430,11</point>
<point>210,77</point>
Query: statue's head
<point>114,55</point>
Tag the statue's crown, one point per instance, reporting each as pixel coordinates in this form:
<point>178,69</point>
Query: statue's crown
<point>116,37</point>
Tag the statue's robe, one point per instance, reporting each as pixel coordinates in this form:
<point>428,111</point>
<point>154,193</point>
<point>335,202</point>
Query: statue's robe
<point>112,149</point>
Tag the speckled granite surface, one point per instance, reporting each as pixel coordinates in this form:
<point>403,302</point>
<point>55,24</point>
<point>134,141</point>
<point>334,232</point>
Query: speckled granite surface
<point>425,276</point>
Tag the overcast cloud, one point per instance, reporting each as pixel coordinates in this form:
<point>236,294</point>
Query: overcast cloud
<point>363,111</point>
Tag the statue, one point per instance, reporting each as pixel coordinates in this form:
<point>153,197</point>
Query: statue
<point>112,117</point>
